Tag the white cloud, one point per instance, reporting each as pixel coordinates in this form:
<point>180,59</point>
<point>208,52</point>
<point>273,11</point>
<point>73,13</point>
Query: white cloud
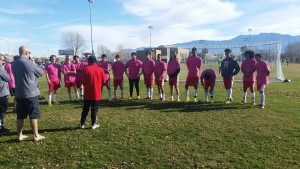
<point>22,10</point>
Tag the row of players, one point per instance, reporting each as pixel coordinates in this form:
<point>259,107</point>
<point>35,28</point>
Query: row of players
<point>154,71</point>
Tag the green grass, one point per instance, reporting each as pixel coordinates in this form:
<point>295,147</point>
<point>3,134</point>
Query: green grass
<point>143,134</point>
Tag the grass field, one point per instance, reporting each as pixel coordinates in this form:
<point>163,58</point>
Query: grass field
<point>153,134</point>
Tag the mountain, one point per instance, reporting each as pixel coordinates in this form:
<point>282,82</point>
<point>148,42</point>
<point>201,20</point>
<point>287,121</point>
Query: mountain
<point>240,40</point>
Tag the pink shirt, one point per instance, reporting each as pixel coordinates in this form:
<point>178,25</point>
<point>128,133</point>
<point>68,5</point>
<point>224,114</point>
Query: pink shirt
<point>148,66</point>
<point>159,68</point>
<point>118,68</point>
<point>173,65</point>
<point>11,83</point>
<point>248,69</point>
<point>77,67</point>
<point>212,75</point>
<point>53,70</point>
<point>263,71</point>
<point>106,67</point>
<point>193,64</point>
<point>134,67</point>
<point>71,77</point>
<point>81,69</point>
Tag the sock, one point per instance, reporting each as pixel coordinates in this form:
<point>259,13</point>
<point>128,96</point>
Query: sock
<point>1,124</point>
<point>151,93</point>
<point>171,98</point>
<point>147,91</point>
<point>187,93</point>
<point>115,93</point>
<point>253,96</point>
<point>49,98</point>
<point>244,96</point>
<point>262,98</point>
<point>109,94</point>
<point>122,93</point>
<point>212,94</point>
<point>77,95</point>
<point>70,96</point>
<point>177,98</point>
<point>230,93</point>
<point>205,95</point>
<point>160,95</point>
<point>163,96</point>
<point>55,97</point>
<point>195,93</point>
<point>81,92</point>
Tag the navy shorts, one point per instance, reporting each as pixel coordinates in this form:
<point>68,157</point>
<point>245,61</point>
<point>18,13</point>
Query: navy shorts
<point>12,91</point>
<point>28,107</point>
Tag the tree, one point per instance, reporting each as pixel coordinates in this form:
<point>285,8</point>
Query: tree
<point>73,41</point>
<point>292,51</point>
<point>121,51</point>
<point>101,49</point>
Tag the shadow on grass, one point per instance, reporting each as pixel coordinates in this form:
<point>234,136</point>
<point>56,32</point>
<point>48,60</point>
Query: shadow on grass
<point>168,106</point>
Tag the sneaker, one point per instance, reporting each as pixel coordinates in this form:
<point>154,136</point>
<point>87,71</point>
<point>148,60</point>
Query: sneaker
<point>109,100</point>
<point>195,99</point>
<point>38,138</point>
<point>178,100</point>
<point>49,103</point>
<point>138,97</point>
<point>228,101</point>
<point>212,100</point>
<point>187,99</point>
<point>171,99</point>
<point>261,106</point>
<point>95,126</point>
<point>130,98</point>
<point>3,129</point>
<point>253,103</point>
<point>243,102</point>
<point>81,126</point>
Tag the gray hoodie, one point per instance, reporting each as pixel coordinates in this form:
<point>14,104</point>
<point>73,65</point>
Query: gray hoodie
<point>4,79</point>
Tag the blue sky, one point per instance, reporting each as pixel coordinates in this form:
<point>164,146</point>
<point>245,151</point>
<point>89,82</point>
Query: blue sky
<point>40,23</point>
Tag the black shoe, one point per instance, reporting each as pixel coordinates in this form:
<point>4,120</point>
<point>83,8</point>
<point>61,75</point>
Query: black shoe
<point>4,130</point>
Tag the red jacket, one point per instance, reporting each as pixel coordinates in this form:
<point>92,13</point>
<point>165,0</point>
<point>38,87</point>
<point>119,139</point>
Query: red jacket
<point>93,79</point>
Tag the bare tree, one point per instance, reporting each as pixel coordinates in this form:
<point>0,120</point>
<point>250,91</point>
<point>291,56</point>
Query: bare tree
<point>292,51</point>
<point>121,51</point>
<point>73,41</point>
<point>101,49</point>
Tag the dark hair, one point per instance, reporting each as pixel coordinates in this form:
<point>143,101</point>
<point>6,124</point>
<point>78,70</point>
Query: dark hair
<point>133,53</point>
<point>92,59</point>
<point>117,56</point>
<point>227,50</point>
<point>158,55</point>
<point>103,56</point>
<point>258,55</point>
<point>51,57</point>
<point>250,53</point>
<point>75,57</point>
<point>148,53</point>
<point>194,48</point>
<point>171,56</point>
<point>207,76</point>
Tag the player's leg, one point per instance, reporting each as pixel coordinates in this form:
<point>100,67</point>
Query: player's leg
<point>245,86</point>
<point>137,87</point>
<point>131,83</point>
<point>51,86</point>
<point>252,92</point>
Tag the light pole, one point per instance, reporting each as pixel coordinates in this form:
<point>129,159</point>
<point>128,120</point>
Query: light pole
<point>150,28</point>
<point>7,45</point>
<point>249,34</point>
<point>91,2</point>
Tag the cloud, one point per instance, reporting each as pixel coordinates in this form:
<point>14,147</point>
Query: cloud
<point>59,23</point>
<point>7,21</point>
<point>21,10</point>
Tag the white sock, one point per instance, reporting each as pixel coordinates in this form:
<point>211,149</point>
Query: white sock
<point>187,94</point>
<point>160,95</point>
<point>244,96</point>
<point>177,98</point>
<point>70,96</point>
<point>230,93</point>
<point>211,94</point>
<point>195,93</point>
<point>115,93</point>
<point>262,98</point>
<point>205,95</point>
<point>109,94</point>
<point>171,98</point>
<point>122,93</point>
<point>49,98</point>
<point>77,96</point>
<point>253,96</point>
<point>151,93</point>
<point>55,97</point>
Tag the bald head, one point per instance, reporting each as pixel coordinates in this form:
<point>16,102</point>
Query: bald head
<point>23,51</point>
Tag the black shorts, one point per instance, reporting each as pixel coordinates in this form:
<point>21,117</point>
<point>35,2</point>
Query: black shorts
<point>12,91</point>
<point>28,107</point>
<point>3,105</point>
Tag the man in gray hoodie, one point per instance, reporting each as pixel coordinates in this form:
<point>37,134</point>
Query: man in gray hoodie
<point>26,73</point>
<point>4,79</point>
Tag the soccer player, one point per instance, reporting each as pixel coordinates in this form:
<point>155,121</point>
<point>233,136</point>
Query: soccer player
<point>118,69</point>
<point>69,72</point>
<point>81,68</point>
<point>262,78</point>
<point>193,63</point>
<point>159,71</point>
<point>132,71</point>
<point>93,79</point>
<point>104,64</point>
<point>208,79</point>
<point>79,85</point>
<point>173,70</point>
<point>229,68</point>
<point>148,72</point>
<point>53,76</point>
<point>11,83</point>
<point>248,69</point>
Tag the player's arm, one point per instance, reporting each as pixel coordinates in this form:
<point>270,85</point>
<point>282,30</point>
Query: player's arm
<point>47,76</point>
<point>236,68</point>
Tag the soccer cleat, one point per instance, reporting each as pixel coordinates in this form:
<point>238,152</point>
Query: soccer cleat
<point>171,99</point>
<point>195,99</point>
<point>187,99</point>
<point>49,103</point>
<point>261,106</point>
<point>228,101</point>
<point>138,97</point>
<point>38,138</point>
<point>243,102</point>
<point>81,126</point>
<point>212,100</point>
<point>130,98</point>
<point>253,103</point>
<point>95,126</point>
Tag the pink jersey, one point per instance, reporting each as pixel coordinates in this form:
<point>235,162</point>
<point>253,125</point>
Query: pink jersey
<point>173,65</point>
<point>11,83</point>
<point>77,67</point>
<point>71,77</point>
<point>211,73</point>
<point>193,65</point>
<point>118,68</point>
<point>134,67</point>
<point>148,66</point>
<point>248,69</point>
<point>54,71</point>
<point>263,71</point>
<point>106,67</point>
<point>159,68</point>
<point>81,69</point>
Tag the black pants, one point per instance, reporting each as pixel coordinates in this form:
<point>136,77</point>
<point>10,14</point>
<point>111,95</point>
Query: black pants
<point>94,104</point>
<point>134,82</point>
<point>3,107</point>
